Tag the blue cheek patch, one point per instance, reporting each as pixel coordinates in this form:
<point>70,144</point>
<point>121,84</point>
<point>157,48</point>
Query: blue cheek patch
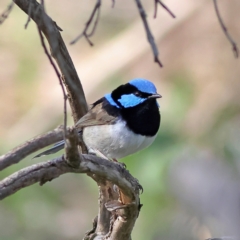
<point>130,100</point>
<point>110,100</point>
<point>127,100</point>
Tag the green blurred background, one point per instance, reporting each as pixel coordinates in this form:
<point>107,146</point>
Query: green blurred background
<point>200,108</point>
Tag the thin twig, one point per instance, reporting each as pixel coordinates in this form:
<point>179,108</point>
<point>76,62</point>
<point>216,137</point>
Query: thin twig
<point>6,13</point>
<point>232,42</point>
<point>164,6</point>
<point>148,32</point>
<point>60,81</point>
<point>29,13</point>
<point>113,3</point>
<point>19,153</point>
<point>95,12</point>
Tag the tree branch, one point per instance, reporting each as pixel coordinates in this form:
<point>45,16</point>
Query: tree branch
<point>60,81</point>
<point>113,3</point>
<point>164,6</point>
<point>119,202</point>
<point>106,173</point>
<point>148,32</point>
<point>31,146</point>
<point>29,13</point>
<point>59,52</point>
<point>46,171</point>
<point>230,39</point>
<point>6,13</point>
<point>96,11</point>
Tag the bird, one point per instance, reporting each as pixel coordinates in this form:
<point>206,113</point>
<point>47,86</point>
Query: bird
<point>120,123</point>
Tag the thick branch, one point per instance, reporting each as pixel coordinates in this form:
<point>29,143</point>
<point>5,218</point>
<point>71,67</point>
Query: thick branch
<point>106,194</point>
<point>71,148</point>
<point>46,171</point>
<point>106,173</point>
<point>124,222</point>
<point>59,52</point>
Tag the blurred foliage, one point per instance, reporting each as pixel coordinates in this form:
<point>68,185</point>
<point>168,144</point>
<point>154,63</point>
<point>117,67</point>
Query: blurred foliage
<point>200,112</point>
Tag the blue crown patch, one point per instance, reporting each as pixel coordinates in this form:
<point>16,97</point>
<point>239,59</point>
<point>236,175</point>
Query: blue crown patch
<point>144,85</point>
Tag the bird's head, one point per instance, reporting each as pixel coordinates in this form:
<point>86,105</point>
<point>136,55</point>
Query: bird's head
<point>133,93</point>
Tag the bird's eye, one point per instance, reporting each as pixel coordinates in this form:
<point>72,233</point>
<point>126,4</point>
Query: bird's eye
<point>137,93</point>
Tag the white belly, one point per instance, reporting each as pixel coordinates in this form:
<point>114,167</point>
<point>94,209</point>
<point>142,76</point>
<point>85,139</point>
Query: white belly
<point>115,141</point>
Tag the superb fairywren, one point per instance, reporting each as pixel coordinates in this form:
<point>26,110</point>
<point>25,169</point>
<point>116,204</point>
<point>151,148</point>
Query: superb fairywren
<point>122,122</point>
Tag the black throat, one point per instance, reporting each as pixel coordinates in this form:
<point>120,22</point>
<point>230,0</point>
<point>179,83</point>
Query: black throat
<point>144,118</point>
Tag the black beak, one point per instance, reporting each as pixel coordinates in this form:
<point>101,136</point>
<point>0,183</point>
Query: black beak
<point>155,96</point>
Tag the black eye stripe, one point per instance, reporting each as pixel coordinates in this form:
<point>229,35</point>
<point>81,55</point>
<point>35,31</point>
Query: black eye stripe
<point>142,94</point>
<point>127,89</point>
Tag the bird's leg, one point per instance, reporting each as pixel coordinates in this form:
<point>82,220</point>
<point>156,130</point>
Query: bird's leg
<point>97,153</point>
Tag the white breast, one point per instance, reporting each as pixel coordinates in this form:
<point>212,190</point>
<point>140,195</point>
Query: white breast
<point>116,140</point>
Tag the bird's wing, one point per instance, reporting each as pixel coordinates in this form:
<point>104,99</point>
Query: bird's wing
<point>97,115</point>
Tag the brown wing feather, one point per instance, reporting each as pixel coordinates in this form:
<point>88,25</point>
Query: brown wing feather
<point>95,116</point>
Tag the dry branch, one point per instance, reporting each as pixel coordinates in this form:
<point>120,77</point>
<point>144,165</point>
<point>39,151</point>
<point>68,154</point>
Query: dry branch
<point>113,3</point>
<point>164,6</point>
<point>59,52</point>
<point>148,32</point>
<point>29,13</point>
<point>119,192</point>
<point>119,203</point>
<point>116,219</point>
<point>60,81</point>
<point>95,12</point>
<point>6,13</point>
<point>31,146</point>
<point>230,39</point>
<point>46,171</point>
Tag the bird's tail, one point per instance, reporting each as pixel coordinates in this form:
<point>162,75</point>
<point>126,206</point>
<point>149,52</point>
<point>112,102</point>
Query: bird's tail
<point>55,148</point>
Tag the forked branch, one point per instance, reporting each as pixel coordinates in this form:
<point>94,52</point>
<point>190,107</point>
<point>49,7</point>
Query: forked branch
<point>164,6</point>
<point>148,32</point>
<point>47,171</point>
<point>119,206</point>
<point>95,13</point>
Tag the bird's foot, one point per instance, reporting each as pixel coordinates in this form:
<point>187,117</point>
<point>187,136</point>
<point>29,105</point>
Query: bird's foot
<point>123,165</point>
